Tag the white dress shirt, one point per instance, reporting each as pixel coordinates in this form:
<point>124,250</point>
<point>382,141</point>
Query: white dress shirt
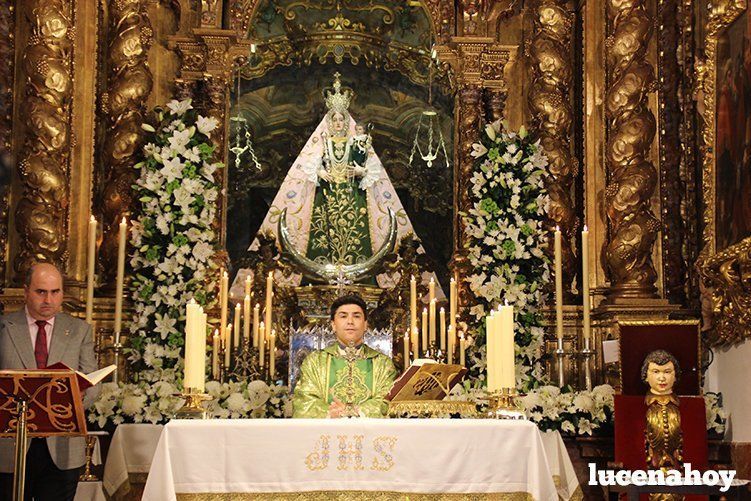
<point>34,329</point>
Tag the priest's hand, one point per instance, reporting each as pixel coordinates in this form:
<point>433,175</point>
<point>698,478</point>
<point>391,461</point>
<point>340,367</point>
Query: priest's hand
<point>337,408</point>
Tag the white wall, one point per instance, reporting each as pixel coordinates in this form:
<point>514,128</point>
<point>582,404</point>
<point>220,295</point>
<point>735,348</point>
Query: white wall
<point>730,373</point>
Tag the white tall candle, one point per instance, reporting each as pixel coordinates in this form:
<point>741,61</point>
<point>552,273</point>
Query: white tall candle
<point>412,304</point>
<point>256,316</point>
<point>261,345</point>
<point>195,348</point>
<point>215,355</point>
<point>120,281</point>
<point>452,304</point>
<point>246,319</point>
<point>506,347</point>
<point>585,287</point>
<point>223,301</point>
<point>558,287</point>
<point>462,348</point>
<point>248,284</point>
<point>269,296</point>
<point>424,329</point>
<point>491,345</point>
<point>452,344</point>
<point>238,326</point>
<point>431,289</point>
<point>272,353</point>
<point>415,343</point>
<point>91,268</point>
<point>431,321</point>
<point>442,323</point>
<point>227,345</point>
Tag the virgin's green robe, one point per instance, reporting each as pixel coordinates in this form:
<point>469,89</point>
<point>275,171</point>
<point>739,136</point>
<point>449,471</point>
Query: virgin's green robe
<point>324,375</point>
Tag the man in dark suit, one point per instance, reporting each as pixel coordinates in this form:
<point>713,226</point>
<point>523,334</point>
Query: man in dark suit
<point>35,337</point>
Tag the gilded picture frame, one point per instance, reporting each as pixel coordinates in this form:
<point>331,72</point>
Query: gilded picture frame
<point>725,260</point>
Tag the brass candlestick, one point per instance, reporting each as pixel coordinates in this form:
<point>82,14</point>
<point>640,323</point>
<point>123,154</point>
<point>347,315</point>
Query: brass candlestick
<point>560,354</point>
<point>586,355</point>
<point>503,405</point>
<point>193,408</point>
<point>87,476</point>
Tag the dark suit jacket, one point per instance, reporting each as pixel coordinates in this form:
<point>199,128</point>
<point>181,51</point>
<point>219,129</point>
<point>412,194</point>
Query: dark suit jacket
<point>71,344</point>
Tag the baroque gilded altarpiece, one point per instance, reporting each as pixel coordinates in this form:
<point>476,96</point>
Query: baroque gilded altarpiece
<point>607,85</point>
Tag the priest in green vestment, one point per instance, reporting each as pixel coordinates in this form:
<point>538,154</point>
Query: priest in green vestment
<point>347,379</point>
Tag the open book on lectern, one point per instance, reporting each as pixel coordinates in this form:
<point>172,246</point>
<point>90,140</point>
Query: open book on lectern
<point>426,379</point>
<point>86,381</point>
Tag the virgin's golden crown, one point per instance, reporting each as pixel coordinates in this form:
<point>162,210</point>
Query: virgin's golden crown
<point>337,99</point>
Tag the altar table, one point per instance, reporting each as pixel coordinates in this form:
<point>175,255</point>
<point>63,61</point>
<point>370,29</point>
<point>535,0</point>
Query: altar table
<point>351,459</point>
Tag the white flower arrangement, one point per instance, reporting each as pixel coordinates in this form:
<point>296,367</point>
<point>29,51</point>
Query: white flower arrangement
<point>572,412</point>
<point>174,245</point>
<point>505,244</point>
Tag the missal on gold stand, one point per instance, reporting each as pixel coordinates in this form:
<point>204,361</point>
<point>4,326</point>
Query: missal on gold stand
<point>426,379</point>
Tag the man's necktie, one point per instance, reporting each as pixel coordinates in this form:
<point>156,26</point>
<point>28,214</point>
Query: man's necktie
<point>40,347</point>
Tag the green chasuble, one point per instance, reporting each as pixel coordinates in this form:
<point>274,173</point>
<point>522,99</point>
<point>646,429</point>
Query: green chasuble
<point>326,374</point>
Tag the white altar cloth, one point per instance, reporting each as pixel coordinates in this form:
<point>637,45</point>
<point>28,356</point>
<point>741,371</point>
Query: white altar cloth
<point>131,452</point>
<point>418,456</point>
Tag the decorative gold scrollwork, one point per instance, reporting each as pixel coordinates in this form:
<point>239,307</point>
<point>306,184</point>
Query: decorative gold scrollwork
<point>42,211</point>
<point>550,103</point>
<point>725,274</point>
<point>728,275</point>
<point>630,131</point>
<point>129,83</point>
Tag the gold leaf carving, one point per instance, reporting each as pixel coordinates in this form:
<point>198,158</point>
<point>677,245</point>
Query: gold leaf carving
<point>42,211</point>
<point>129,83</point>
<point>630,131</point>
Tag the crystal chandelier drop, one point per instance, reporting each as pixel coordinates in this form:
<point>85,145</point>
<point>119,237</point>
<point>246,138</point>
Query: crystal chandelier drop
<point>429,143</point>
<point>242,142</point>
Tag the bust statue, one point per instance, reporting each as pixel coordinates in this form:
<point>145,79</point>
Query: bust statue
<point>663,438</point>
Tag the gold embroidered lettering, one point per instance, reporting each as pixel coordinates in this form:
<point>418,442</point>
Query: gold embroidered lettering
<point>319,458</point>
<point>383,446</point>
<point>350,453</point>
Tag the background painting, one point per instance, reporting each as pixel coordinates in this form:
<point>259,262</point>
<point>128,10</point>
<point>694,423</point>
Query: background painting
<point>733,150</point>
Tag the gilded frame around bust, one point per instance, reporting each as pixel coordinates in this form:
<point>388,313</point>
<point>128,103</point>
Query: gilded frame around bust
<point>725,268</point>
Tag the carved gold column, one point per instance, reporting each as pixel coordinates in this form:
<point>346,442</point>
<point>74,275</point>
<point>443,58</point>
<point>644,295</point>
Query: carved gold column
<point>7,54</point>
<point>549,101</point>
<point>129,83</point>
<point>217,105</point>
<point>43,161</point>
<point>630,132</point>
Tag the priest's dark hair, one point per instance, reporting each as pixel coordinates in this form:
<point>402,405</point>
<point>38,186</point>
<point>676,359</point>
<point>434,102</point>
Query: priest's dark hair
<point>349,299</point>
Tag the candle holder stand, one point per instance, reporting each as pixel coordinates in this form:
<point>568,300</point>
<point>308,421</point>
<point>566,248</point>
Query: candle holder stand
<point>193,408</point>
<point>435,353</point>
<point>87,476</point>
<point>116,348</point>
<point>246,363</point>
<point>503,405</point>
<point>583,357</point>
<point>560,355</point>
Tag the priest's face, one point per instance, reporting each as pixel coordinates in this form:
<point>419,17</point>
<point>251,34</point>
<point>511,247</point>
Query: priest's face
<point>661,378</point>
<point>349,324</point>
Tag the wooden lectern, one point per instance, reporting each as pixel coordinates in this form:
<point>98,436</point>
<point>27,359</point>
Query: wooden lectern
<point>35,404</point>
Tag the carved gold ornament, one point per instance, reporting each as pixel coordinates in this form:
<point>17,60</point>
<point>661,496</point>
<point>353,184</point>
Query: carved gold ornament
<point>42,211</point>
<point>630,132</point>
<point>725,274</point>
